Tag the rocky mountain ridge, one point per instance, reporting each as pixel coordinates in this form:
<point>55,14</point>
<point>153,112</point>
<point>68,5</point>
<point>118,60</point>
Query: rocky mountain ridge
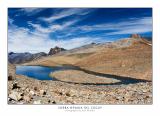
<point>17,58</point>
<point>55,50</point>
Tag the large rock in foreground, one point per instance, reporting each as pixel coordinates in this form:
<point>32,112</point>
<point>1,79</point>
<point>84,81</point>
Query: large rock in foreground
<point>11,72</point>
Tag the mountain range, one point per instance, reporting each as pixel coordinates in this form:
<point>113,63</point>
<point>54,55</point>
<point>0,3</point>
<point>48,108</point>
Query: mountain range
<point>17,58</point>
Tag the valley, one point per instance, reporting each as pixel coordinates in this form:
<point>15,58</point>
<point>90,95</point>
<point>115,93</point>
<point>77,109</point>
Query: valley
<point>117,72</point>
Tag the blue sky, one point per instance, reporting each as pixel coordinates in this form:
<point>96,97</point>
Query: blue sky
<point>39,29</point>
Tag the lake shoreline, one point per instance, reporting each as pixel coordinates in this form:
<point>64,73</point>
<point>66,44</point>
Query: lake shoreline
<point>24,90</point>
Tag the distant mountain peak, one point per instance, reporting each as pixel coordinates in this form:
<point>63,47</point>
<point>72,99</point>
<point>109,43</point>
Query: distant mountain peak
<point>17,58</point>
<point>135,36</point>
<point>56,50</point>
<point>10,53</point>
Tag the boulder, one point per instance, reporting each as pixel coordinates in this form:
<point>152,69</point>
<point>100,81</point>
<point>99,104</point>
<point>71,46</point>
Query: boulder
<point>32,92</point>
<point>27,98</point>
<point>11,77</point>
<point>15,96</point>
<point>37,102</point>
<point>42,92</point>
<point>11,72</point>
<point>15,86</point>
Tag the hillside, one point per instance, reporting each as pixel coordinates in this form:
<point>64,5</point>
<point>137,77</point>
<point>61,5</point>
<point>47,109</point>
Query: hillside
<point>134,60</point>
<point>131,57</point>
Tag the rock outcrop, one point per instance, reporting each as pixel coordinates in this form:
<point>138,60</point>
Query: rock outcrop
<point>11,72</point>
<point>55,50</point>
<point>135,36</point>
<point>146,40</point>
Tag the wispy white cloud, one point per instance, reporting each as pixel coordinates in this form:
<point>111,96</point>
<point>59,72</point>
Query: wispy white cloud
<point>30,11</point>
<point>128,26</point>
<point>46,30</point>
<point>10,21</point>
<point>23,40</point>
<point>140,25</point>
<point>65,13</point>
<point>52,27</point>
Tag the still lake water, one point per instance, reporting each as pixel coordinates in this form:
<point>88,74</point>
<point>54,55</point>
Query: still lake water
<point>39,72</point>
<point>42,73</point>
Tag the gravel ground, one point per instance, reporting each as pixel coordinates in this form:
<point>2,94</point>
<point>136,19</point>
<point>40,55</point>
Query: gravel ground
<point>26,90</point>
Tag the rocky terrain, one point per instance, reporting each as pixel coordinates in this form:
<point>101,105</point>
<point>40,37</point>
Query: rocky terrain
<point>110,73</point>
<point>25,90</point>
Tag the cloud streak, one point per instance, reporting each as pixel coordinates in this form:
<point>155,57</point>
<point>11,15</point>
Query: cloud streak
<point>31,11</point>
<point>140,25</point>
<point>128,26</point>
<point>22,40</point>
<point>63,29</point>
<point>65,13</point>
